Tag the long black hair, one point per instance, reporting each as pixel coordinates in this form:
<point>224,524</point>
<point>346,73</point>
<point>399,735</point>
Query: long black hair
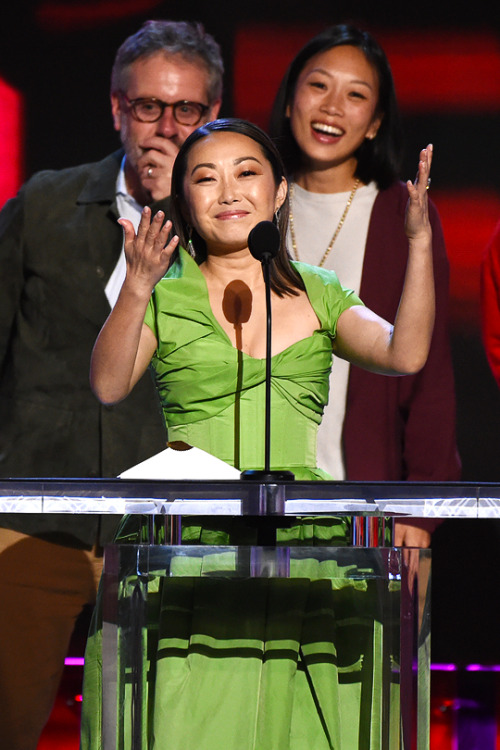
<point>284,278</point>
<point>378,159</point>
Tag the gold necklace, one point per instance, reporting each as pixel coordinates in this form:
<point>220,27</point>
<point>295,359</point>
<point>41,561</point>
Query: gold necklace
<point>335,234</point>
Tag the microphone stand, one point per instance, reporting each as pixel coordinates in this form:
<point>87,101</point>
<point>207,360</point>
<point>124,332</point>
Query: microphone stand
<point>269,498</point>
<point>266,475</point>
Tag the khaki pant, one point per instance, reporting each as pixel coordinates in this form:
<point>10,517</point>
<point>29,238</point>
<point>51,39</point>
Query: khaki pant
<point>43,587</point>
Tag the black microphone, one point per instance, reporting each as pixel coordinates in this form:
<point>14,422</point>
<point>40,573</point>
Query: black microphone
<point>264,243</point>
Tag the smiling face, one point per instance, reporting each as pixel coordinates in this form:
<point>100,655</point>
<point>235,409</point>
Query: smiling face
<point>334,108</point>
<point>229,186</point>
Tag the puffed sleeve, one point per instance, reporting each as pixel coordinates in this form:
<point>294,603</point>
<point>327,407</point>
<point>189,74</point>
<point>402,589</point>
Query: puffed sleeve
<point>150,318</point>
<point>327,295</point>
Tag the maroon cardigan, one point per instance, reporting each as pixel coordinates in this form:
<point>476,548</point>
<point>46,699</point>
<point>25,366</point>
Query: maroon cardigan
<point>401,428</point>
<point>490,307</point>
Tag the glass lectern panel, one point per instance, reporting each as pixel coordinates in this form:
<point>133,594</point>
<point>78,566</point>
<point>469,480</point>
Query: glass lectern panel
<point>221,647</point>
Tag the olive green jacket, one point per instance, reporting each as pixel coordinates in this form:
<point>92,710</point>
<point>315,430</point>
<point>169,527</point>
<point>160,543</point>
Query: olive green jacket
<point>59,243</point>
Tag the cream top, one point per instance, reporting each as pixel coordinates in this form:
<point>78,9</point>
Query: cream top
<point>316,216</point>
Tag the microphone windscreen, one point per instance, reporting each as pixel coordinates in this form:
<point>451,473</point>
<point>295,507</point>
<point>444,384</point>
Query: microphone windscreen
<point>264,240</point>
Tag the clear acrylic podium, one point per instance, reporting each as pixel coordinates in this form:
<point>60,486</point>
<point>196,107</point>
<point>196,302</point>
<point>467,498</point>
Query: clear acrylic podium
<point>379,589</point>
<point>379,585</point>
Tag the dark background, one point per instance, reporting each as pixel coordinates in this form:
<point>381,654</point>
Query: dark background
<point>59,55</point>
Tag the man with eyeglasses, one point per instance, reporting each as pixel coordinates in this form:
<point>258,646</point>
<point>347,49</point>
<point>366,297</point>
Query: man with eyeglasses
<point>61,268</point>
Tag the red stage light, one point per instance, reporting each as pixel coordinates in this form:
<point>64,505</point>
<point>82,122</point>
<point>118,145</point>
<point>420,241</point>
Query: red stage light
<point>445,71</point>
<point>11,141</point>
<point>469,218</point>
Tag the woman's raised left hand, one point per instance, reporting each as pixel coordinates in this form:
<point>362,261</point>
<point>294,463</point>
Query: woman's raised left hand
<point>417,224</point>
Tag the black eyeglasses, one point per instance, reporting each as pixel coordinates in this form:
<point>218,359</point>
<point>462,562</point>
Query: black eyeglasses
<point>150,110</point>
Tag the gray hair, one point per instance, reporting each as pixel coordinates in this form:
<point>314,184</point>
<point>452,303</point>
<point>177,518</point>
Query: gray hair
<point>187,39</point>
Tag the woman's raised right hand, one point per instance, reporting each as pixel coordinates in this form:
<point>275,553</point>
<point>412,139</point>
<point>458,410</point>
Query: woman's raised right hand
<point>148,253</point>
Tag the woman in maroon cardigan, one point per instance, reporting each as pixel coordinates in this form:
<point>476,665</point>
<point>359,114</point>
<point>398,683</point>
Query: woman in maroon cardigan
<point>335,120</point>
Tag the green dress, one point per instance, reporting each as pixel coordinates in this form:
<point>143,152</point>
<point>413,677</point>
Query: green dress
<point>252,664</point>
<point>213,395</point>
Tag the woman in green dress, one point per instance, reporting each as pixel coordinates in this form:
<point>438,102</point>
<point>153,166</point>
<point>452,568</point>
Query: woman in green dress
<point>257,666</point>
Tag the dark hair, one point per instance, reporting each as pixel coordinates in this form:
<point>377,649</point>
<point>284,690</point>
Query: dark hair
<point>284,278</point>
<point>184,38</point>
<point>378,159</point>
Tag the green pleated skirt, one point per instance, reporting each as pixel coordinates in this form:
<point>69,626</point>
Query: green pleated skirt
<point>254,663</point>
